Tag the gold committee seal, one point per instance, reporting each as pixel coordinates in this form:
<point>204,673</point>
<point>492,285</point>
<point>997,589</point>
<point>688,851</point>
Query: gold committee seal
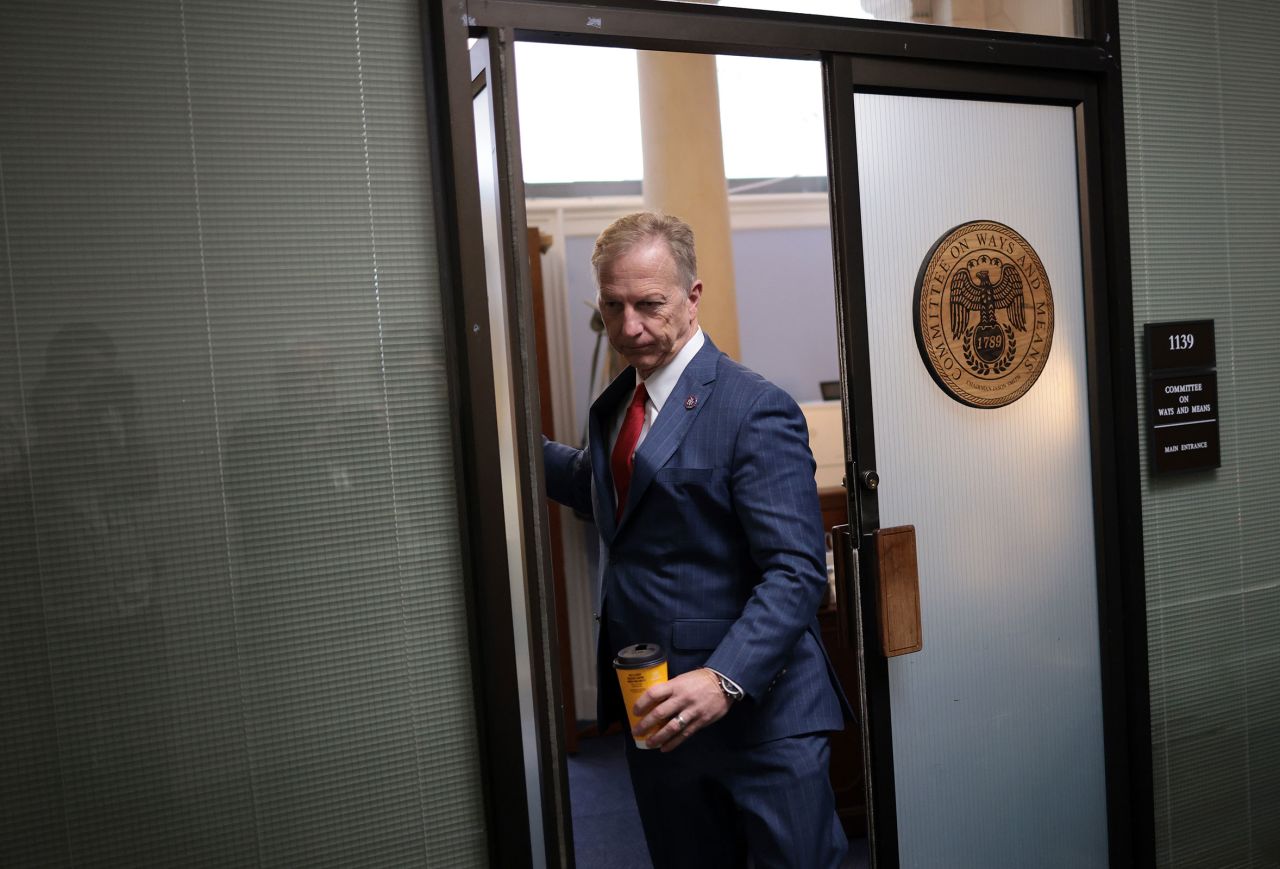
<point>983,314</point>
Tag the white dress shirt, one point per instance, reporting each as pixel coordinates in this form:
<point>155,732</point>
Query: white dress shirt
<point>659,384</point>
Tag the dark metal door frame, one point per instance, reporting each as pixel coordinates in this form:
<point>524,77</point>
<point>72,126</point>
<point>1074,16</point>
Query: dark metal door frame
<point>1083,73</point>
<point>483,500</point>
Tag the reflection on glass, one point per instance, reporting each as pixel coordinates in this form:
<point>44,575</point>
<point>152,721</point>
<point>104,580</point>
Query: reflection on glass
<point>1042,17</point>
<point>93,482</point>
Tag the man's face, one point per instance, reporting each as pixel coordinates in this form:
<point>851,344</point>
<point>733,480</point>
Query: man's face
<point>649,316</point>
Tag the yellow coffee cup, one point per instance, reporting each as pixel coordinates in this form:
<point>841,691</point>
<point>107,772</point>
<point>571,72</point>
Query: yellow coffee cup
<point>639,667</point>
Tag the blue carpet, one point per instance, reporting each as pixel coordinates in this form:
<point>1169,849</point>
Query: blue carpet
<point>606,825</point>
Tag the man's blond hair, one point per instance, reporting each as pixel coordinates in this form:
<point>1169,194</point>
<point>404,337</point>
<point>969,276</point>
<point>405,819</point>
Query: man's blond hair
<point>639,228</point>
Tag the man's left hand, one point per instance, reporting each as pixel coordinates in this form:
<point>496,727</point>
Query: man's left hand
<point>678,709</point>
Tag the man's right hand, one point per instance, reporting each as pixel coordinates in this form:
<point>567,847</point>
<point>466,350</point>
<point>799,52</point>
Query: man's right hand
<point>678,709</point>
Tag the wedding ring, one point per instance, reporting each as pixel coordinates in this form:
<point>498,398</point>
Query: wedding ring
<point>680,720</point>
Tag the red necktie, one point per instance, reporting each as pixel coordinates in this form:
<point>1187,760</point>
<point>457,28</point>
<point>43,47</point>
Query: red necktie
<point>624,451</point>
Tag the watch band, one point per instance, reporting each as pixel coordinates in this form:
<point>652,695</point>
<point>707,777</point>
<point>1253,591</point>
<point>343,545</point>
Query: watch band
<point>730,689</point>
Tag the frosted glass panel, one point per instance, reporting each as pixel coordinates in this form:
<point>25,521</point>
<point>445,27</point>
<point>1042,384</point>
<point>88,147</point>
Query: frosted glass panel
<point>997,723</point>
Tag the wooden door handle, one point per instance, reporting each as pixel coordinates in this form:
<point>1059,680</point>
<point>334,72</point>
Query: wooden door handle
<point>898,590</point>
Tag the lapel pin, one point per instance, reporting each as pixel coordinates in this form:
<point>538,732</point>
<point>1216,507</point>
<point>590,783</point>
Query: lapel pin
<point>691,402</point>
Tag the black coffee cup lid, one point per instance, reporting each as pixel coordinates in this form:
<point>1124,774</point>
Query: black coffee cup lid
<point>639,655</point>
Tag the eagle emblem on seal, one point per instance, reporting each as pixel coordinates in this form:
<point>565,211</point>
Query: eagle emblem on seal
<point>989,345</point>
<point>983,314</point>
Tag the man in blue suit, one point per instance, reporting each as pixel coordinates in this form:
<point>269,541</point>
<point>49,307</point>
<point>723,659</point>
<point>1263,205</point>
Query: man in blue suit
<point>700,478</point>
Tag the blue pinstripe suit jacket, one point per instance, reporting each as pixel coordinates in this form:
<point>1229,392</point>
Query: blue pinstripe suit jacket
<point>719,554</point>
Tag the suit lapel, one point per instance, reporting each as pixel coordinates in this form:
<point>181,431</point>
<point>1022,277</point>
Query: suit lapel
<point>603,411</point>
<point>683,406</point>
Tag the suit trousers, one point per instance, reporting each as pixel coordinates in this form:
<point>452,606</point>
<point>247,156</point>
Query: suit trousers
<point>708,805</point>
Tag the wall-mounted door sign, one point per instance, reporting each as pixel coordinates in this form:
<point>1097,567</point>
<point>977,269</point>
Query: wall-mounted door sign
<point>1183,396</point>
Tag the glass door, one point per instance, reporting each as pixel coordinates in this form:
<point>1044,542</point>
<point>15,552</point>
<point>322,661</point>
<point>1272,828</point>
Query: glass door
<point>969,374</point>
<point>516,591</point>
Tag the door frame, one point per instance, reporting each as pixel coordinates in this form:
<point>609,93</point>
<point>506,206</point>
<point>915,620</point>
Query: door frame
<point>869,55</point>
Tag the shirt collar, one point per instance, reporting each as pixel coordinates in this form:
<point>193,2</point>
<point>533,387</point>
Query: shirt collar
<point>662,380</point>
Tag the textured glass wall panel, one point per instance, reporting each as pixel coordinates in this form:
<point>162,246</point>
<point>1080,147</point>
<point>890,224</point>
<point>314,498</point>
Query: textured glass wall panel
<point>1202,102</point>
<point>997,722</point>
<point>232,628</point>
